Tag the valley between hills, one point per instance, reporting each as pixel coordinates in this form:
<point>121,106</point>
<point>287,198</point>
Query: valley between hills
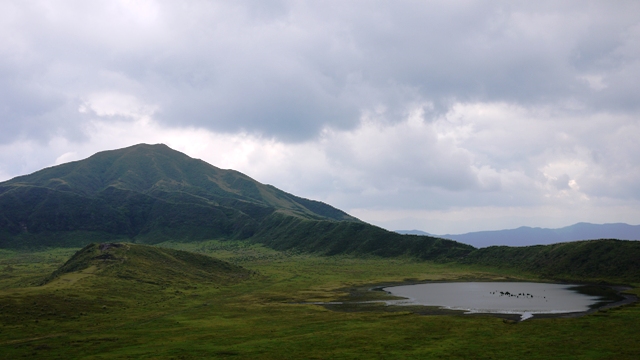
<point>144,252</point>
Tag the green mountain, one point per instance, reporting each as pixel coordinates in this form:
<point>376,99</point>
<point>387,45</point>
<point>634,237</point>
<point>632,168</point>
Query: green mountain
<point>148,193</point>
<point>605,259</point>
<point>150,264</point>
<point>151,193</point>
<point>356,238</point>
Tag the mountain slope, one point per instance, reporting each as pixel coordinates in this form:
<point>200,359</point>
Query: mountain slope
<point>341,237</point>
<point>162,172</point>
<point>149,193</point>
<point>608,260</point>
<point>149,264</point>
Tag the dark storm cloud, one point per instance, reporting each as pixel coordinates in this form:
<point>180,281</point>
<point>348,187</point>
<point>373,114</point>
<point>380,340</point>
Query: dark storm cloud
<point>417,105</point>
<point>290,69</point>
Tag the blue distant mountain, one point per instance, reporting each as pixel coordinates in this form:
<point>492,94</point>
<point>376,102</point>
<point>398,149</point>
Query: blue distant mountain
<point>413,232</point>
<point>525,236</point>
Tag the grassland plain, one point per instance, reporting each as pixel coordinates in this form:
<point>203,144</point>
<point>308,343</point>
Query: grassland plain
<point>92,315</point>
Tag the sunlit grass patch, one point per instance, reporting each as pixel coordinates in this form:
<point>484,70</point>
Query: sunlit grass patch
<point>266,316</point>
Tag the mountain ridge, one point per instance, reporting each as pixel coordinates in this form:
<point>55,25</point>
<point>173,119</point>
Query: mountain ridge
<point>146,193</point>
<point>528,236</point>
<point>158,173</point>
<point>602,260</point>
<point>151,193</point>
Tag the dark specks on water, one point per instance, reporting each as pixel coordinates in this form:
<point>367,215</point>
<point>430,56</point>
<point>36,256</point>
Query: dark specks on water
<point>522,298</point>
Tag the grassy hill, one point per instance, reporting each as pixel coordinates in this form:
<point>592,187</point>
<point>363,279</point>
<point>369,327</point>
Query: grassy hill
<point>356,238</point>
<point>593,260</point>
<point>151,194</point>
<point>162,173</point>
<point>274,316</point>
<point>127,300</point>
<point>149,264</point>
<point>145,193</point>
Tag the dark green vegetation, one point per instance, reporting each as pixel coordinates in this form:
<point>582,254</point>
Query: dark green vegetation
<point>148,193</point>
<point>355,238</point>
<point>245,295</point>
<point>594,260</point>
<point>151,193</point>
<point>148,264</point>
<point>98,314</point>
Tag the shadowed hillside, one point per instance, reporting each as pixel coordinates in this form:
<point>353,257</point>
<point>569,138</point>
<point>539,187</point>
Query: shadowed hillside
<point>151,193</point>
<point>150,264</point>
<point>145,193</point>
<point>609,260</point>
<point>332,237</point>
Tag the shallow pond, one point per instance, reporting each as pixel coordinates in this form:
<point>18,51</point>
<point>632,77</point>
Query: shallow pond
<point>524,298</point>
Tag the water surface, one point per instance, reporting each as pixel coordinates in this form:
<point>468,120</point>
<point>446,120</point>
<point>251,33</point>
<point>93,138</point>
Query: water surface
<point>523,298</point>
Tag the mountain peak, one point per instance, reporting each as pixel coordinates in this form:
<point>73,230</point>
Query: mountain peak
<point>138,190</point>
<point>152,193</point>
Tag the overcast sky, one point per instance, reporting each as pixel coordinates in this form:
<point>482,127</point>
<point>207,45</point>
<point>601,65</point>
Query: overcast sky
<point>443,116</point>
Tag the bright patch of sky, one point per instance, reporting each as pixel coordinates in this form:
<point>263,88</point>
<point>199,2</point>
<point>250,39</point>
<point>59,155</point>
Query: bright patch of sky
<point>442,116</point>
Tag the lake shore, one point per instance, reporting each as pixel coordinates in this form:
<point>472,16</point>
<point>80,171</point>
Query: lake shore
<point>374,298</point>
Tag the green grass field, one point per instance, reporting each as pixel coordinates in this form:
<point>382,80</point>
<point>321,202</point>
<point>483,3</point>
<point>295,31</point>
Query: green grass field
<point>94,316</point>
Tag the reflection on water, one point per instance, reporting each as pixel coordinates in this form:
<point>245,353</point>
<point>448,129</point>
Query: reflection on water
<point>496,297</point>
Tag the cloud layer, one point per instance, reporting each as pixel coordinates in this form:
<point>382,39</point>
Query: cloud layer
<point>448,117</point>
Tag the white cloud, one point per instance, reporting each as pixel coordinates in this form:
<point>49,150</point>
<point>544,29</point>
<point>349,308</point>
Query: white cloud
<point>116,104</point>
<point>595,82</point>
<point>473,113</point>
<point>445,174</point>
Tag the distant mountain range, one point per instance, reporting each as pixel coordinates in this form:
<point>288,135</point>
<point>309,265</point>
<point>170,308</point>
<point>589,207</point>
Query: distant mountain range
<point>525,236</point>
